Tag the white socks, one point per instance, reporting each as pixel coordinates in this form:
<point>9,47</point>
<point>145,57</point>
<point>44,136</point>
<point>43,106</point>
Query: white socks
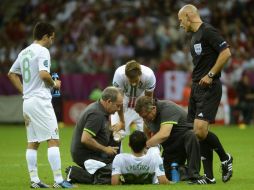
<point>54,160</point>
<point>55,163</point>
<point>31,158</point>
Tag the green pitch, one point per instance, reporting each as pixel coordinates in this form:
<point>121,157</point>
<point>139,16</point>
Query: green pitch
<point>14,175</point>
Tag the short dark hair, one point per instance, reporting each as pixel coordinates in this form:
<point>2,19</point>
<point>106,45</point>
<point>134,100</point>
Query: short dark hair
<point>132,69</point>
<point>137,141</point>
<point>41,29</point>
<point>144,103</point>
<point>110,93</point>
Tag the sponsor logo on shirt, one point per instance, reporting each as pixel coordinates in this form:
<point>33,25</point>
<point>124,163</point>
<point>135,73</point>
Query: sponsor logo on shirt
<point>198,48</point>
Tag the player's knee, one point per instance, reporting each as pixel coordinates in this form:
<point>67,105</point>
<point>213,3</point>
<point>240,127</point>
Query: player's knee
<point>53,142</point>
<point>200,131</point>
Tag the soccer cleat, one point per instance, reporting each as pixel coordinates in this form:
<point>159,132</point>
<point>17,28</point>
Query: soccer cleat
<point>203,181</point>
<point>64,184</point>
<point>38,185</point>
<point>227,169</point>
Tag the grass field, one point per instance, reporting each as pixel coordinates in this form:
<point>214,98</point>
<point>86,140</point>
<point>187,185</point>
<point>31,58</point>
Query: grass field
<point>14,175</point>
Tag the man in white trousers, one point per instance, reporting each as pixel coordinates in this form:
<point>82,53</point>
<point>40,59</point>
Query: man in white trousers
<point>33,64</point>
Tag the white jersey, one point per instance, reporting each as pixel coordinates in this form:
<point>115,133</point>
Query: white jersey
<point>29,63</point>
<point>139,170</point>
<point>147,83</point>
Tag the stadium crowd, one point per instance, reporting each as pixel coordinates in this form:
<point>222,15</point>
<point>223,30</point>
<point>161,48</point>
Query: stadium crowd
<point>98,36</point>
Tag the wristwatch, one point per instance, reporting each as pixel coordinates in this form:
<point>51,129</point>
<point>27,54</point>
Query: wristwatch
<point>211,75</point>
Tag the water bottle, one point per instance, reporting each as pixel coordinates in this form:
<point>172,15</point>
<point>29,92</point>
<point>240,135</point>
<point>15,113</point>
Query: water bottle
<point>175,177</point>
<point>55,92</point>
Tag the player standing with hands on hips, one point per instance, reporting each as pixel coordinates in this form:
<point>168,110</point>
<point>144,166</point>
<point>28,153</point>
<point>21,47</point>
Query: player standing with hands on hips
<point>33,64</point>
<point>210,52</point>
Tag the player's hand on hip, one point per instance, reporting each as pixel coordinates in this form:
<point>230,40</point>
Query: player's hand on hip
<point>206,81</point>
<point>111,150</point>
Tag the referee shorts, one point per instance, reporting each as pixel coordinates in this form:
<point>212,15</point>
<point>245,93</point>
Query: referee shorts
<point>204,101</point>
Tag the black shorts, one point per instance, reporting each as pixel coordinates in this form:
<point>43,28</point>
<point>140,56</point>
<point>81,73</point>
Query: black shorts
<point>204,101</point>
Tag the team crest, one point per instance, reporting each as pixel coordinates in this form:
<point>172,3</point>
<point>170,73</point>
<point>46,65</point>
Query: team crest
<point>198,48</point>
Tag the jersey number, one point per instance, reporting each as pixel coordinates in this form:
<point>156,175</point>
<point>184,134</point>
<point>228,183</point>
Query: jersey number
<point>26,70</point>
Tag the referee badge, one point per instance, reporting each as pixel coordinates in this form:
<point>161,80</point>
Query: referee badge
<point>198,48</point>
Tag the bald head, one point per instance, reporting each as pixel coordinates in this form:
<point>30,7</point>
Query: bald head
<point>189,18</point>
<point>189,9</point>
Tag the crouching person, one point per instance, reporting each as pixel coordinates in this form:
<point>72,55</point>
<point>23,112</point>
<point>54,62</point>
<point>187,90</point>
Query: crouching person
<point>168,122</point>
<point>140,167</point>
<point>93,148</point>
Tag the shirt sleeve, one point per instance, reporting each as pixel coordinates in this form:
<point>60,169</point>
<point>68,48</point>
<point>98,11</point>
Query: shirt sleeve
<point>15,68</point>
<point>116,165</point>
<point>213,37</point>
<point>151,82</point>
<point>169,116</point>
<point>159,169</point>
<point>118,80</point>
<point>44,61</point>
<point>93,123</point>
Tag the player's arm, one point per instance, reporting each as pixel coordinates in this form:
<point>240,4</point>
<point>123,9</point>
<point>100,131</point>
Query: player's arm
<point>121,124</point>
<point>151,83</point>
<point>115,179</point>
<point>15,80</point>
<point>47,79</point>
<point>88,140</point>
<point>221,61</point>
<point>116,170</point>
<point>118,83</point>
<point>220,45</point>
<point>147,131</point>
<point>149,93</point>
<point>161,135</point>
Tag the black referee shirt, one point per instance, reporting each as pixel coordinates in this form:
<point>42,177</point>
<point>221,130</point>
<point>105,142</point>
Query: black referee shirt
<point>206,44</point>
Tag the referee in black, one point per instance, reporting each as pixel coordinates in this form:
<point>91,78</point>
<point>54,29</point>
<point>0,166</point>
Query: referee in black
<point>210,53</point>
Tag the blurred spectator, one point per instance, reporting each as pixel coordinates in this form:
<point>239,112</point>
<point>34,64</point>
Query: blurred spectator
<point>244,102</point>
<point>95,93</point>
<point>99,36</point>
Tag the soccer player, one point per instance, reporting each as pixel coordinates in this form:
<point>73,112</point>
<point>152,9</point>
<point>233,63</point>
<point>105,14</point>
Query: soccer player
<point>33,64</point>
<point>135,80</point>
<point>210,53</point>
<point>168,123</point>
<point>138,167</point>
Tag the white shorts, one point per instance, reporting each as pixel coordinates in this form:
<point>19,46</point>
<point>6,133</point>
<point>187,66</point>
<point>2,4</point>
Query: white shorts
<point>40,120</point>
<point>130,116</point>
